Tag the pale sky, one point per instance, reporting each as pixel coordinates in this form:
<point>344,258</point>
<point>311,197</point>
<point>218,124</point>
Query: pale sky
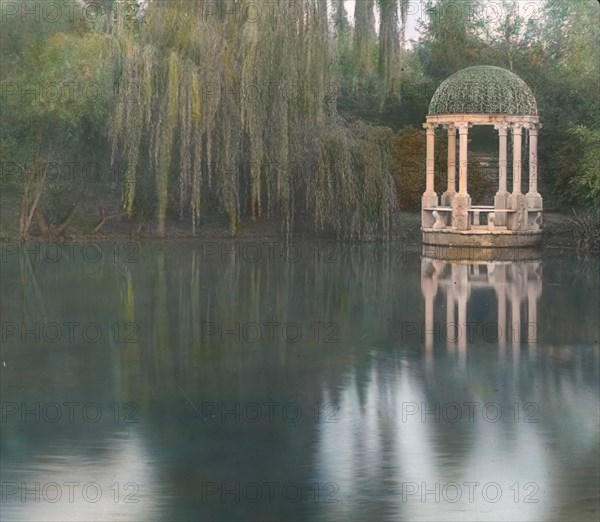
<point>492,9</point>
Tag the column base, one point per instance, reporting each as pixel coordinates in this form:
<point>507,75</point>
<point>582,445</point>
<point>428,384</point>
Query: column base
<point>447,198</point>
<point>518,220</point>
<point>534,200</point>
<point>428,200</point>
<point>501,203</point>
<point>460,211</point>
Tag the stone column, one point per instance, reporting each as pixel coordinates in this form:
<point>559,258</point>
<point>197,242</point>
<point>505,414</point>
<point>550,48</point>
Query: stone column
<point>500,287</point>
<point>463,129</point>
<point>517,132</point>
<point>462,323</point>
<point>450,317</point>
<point>429,291</point>
<point>501,198</point>
<point>430,158</point>
<point>534,291</point>
<point>448,196</point>
<point>517,292</point>
<point>462,200</point>
<point>462,288</point>
<point>429,198</point>
<point>532,325</point>
<point>534,199</point>
<point>429,332</point>
<point>518,220</point>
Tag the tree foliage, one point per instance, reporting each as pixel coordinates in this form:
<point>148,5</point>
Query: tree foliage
<point>242,114</point>
<point>294,110</point>
<point>56,93</point>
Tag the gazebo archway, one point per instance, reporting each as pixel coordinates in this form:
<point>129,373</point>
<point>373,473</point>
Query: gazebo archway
<point>483,95</point>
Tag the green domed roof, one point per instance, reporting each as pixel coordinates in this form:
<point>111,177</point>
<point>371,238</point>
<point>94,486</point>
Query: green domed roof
<point>483,89</point>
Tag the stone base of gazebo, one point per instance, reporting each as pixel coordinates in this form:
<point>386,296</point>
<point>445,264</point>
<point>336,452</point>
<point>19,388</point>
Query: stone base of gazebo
<point>470,254</point>
<point>481,238</point>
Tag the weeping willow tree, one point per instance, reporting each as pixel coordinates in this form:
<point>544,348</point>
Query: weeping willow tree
<point>234,106</point>
<point>377,56</point>
<point>389,45</point>
<point>364,36</point>
<point>340,17</point>
<point>404,8</point>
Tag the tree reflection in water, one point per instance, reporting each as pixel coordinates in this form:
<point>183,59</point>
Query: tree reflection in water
<point>396,356</point>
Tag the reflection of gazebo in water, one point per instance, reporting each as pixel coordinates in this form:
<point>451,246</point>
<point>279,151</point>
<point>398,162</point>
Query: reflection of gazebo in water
<point>483,95</point>
<point>513,283</point>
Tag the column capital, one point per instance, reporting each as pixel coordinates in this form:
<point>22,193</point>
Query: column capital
<point>450,127</point>
<point>430,126</point>
<point>463,126</point>
<point>533,128</point>
<point>501,127</point>
<point>517,127</point>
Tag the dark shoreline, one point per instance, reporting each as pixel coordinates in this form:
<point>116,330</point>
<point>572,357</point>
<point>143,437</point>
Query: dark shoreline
<point>558,234</point>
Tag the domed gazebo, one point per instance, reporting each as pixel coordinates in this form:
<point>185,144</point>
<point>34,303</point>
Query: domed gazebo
<point>483,95</point>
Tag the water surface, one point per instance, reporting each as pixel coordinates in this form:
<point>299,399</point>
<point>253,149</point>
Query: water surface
<point>220,381</point>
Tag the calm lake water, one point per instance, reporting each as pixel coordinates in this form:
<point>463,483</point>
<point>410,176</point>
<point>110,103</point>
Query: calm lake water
<point>226,381</point>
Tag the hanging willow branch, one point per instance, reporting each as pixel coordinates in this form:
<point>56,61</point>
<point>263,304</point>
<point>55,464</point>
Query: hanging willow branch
<point>239,112</point>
